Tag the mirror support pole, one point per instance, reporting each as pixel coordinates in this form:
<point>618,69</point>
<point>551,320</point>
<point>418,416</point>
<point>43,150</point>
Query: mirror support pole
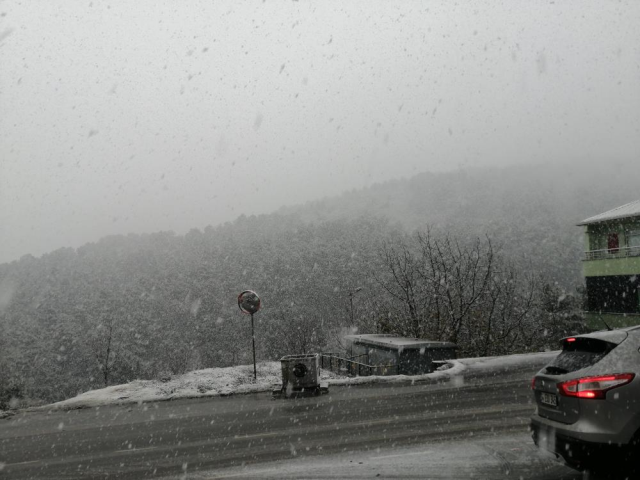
<point>253,341</point>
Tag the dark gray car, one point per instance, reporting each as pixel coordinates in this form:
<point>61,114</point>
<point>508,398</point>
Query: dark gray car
<point>588,401</point>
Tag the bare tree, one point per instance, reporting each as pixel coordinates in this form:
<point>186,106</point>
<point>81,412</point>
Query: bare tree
<point>459,292</point>
<point>403,282</point>
<point>457,276</point>
<point>105,347</point>
<point>292,332</point>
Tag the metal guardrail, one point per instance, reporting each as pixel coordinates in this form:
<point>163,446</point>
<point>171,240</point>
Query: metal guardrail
<point>346,366</point>
<point>621,252</point>
<point>357,356</point>
<point>603,312</point>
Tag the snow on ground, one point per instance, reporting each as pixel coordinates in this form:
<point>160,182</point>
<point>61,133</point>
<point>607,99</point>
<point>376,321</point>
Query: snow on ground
<point>210,382</point>
<point>213,382</point>
<point>453,367</point>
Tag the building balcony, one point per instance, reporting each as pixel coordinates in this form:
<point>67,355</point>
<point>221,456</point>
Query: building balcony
<point>606,254</point>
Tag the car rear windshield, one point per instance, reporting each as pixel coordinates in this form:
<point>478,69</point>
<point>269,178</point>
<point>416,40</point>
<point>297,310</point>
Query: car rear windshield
<point>580,353</point>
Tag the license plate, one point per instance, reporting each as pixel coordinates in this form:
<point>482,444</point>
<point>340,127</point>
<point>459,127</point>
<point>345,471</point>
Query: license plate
<point>549,399</point>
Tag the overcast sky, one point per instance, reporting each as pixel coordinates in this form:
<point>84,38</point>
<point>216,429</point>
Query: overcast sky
<point>137,116</point>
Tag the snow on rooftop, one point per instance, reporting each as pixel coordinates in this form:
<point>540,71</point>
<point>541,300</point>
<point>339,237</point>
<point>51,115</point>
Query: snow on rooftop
<point>629,210</point>
<point>391,341</point>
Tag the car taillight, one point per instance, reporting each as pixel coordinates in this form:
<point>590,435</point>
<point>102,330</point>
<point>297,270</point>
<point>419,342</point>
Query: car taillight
<point>533,383</point>
<point>594,387</point>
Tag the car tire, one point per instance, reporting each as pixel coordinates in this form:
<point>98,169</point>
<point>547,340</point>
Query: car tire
<point>620,466</point>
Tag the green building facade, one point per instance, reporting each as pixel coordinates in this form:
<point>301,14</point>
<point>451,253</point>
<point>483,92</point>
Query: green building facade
<point>611,267</point>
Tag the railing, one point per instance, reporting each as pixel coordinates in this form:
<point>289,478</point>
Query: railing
<point>619,314</point>
<point>621,252</point>
<point>354,357</point>
<point>346,366</point>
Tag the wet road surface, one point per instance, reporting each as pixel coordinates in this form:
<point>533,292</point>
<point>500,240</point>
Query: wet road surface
<point>238,435</point>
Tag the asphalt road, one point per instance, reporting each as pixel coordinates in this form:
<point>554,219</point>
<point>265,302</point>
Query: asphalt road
<point>240,435</point>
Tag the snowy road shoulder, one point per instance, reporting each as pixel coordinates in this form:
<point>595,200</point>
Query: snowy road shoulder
<point>210,382</point>
<point>493,458</point>
<point>5,414</point>
<point>214,382</point>
<point>506,361</point>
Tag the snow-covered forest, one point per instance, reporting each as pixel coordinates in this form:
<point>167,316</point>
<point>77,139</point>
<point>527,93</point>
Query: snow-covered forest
<point>487,259</point>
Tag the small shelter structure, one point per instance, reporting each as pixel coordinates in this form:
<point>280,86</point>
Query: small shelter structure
<point>401,355</point>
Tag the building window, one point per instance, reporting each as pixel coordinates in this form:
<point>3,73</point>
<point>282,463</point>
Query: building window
<point>613,243</point>
<point>633,239</point>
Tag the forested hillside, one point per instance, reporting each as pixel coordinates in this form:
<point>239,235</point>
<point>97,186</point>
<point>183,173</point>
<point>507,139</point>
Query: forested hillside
<point>531,211</point>
<point>142,306</point>
<point>149,306</point>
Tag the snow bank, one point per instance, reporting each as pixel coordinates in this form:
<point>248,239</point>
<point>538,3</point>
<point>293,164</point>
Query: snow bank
<point>494,363</point>
<point>210,382</point>
<point>5,414</point>
<point>453,368</point>
<point>214,382</point>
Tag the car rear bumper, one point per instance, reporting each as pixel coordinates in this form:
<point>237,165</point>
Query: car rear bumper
<point>597,423</point>
<point>574,447</point>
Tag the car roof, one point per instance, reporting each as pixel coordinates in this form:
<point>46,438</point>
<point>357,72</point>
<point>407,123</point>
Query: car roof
<point>614,336</point>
